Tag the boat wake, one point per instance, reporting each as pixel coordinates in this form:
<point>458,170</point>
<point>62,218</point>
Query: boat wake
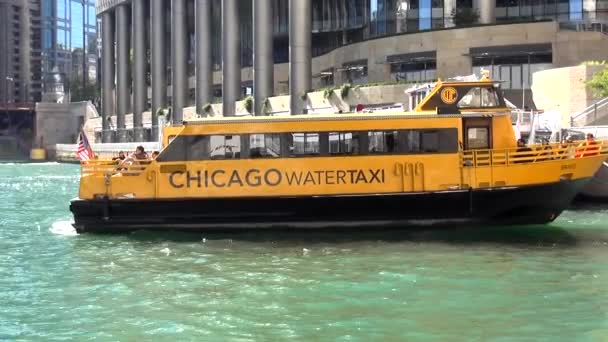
<point>64,228</point>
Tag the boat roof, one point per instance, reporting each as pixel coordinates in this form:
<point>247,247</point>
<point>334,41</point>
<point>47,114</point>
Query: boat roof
<point>338,117</point>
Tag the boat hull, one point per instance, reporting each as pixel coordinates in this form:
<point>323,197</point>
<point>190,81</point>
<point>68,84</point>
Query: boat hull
<point>537,204</point>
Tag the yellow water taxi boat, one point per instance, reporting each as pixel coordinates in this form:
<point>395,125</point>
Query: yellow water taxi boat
<point>453,160</point>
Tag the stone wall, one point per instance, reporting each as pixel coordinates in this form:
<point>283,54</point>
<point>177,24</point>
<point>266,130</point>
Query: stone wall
<point>60,123</point>
<point>564,90</point>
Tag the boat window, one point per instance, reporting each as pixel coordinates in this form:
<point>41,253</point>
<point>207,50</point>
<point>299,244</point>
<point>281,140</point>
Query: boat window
<point>175,151</point>
<point>383,142</point>
<point>264,145</point>
<point>225,146</point>
<point>303,144</point>
<point>274,145</point>
<point>197,147</point>
<point>430,141</point>
<point>410,141</point>
<point>478,138</point>
<point>479,97</point>
<point>344,143</point>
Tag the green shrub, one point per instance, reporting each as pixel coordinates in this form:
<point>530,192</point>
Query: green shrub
<point>266,106</point>
<point>465,16</point>
<point>248,103</point>
<point>599,83</point>
<point>345,90</point>
<point>207,108</point>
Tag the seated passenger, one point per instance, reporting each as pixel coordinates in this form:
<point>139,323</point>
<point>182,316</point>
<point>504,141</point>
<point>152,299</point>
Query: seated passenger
<point>154,155</point>
<point>140,154</point>
<point>521,147</point>
<point>568,148</point>
<point>120,158</point>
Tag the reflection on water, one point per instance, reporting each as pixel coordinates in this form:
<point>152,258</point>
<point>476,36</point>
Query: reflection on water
<point>516,283</point>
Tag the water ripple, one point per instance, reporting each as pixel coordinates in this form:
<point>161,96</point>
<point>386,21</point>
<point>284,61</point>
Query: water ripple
<point>537,283</point>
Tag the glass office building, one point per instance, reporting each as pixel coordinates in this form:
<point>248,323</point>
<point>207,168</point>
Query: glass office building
<point>356,41</point>
<point>68,28</point>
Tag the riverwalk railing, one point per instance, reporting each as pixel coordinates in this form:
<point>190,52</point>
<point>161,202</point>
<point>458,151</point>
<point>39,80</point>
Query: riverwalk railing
<point>590,114</point>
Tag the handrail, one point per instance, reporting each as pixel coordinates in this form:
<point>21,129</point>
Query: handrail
<point>533,153</point>
<point>592,109</point>
<point>584,26</point>
<point>113,167</point>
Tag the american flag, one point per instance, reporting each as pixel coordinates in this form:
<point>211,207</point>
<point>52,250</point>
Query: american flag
<point>84,152</point>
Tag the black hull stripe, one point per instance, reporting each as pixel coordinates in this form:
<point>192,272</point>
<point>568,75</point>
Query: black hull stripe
<point>509,205</point>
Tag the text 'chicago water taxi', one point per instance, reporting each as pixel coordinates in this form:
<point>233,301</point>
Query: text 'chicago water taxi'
<point>454,160</point>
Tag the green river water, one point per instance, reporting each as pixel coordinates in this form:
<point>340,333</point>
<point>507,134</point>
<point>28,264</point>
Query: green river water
<point>540,283</point>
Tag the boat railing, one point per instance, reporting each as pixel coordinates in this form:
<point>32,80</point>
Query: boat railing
<point>113,167</point>
<point>533,154</point>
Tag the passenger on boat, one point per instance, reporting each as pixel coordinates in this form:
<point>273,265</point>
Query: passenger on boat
<point>154,155</point>
<point>140,154</point>
<point>588,148</point>
<point>121,157</point>
<point>521,147</point>
<point>569,148</point>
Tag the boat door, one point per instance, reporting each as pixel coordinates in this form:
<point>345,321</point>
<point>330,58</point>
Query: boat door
<point>477,141</point>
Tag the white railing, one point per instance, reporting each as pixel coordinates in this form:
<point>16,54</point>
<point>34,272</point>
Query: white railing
<point>67,152</point>
<point>590,114</point>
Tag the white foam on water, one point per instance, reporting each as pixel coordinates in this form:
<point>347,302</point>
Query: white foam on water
<point>64,228</point>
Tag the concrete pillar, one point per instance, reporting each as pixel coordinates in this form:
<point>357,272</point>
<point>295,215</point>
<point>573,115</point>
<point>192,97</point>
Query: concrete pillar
<point>123,93</point>
<point>158,62</point>
<point>139,67</point>
<point>231,55</point>
<point>25,70</point>
<point>448,7</point>
<point>263,69</point>
<point>300,55</point>
<point>204,69</point>
<point>486,9</point>
<point>107,73</point>
<point>179,59</point>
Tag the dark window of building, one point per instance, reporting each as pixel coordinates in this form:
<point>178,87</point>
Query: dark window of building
<point>513,65</point>
<point>355,72</point>
<point>414,71</point>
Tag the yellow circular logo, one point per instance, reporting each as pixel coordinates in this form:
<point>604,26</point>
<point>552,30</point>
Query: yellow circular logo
<point>449,95</point>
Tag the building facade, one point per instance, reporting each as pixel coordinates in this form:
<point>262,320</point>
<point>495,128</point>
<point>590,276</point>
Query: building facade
<point>20,77</point>
<point>69,27</point>
<point>194,52</point>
